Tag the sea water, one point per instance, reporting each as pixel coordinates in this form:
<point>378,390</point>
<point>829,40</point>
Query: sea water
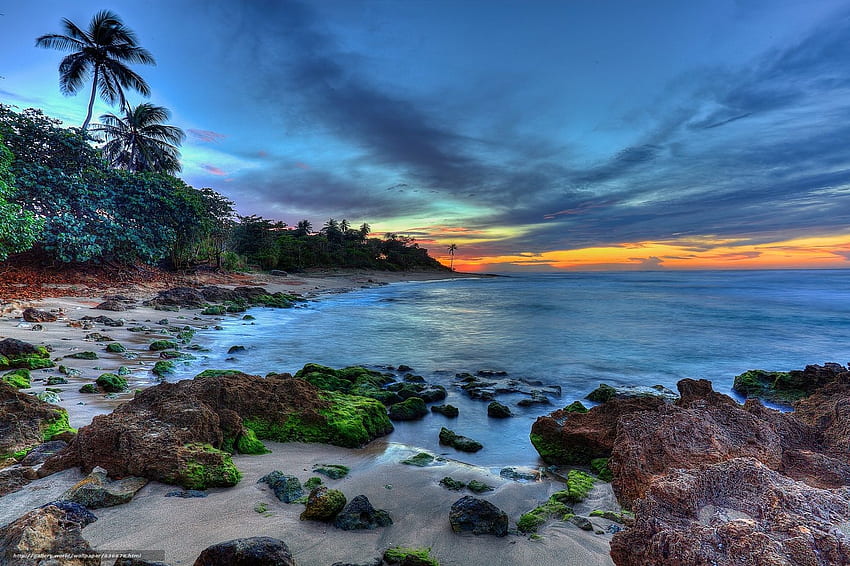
<point>575,330</point>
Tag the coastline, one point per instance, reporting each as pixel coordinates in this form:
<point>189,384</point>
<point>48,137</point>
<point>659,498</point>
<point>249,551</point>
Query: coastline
<point>147,522</point>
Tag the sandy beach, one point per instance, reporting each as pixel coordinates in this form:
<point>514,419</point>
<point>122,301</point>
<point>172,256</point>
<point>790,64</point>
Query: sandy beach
<point>182,528</point>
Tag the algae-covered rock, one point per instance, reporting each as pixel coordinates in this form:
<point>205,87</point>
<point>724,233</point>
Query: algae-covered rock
<point>411,409</point>
<point>89,388</point>
<point>19,378</point>
<point>56,380</point>
<point>410,557</point>
<point>452,484</point>
<point>116,348</point>
<point>163,368</point>
<point>553,509</point>
<point>579,485</point>
<point>19,354</point>
<point>458,442</point>
<point>49,397</point>
<point>323,504</point>
<point>83,356</point>
<point>333,471</point>
<point>158,345</point>
<point>215,310</point>
<point>477,516</point>
<point>26,422</point>
<point>449,411</point>
<point>286,488</point>
<point>112,383</point>
<point>476,486</point>
<point>788,386</point>
<point>359,514</point>
<point>420,460</point>
<point>497,410</point>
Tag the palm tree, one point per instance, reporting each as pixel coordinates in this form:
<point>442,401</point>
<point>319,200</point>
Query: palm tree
<point>303,228</point>
<point>102,51</point>
<point>452,248</point>
<point>139,141</point>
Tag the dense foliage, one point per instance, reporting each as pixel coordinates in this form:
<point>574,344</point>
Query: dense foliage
<point>91,212</point>
<point>18,228</point>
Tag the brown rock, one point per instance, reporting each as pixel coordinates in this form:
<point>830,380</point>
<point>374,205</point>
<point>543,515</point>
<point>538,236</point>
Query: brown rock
<point>254,551</point>
<point>566,437</point>
<point>35,315</point>
<point>736,512</point>
<point>111,305</point>
<point>23,419</point>
<point>55,528</point>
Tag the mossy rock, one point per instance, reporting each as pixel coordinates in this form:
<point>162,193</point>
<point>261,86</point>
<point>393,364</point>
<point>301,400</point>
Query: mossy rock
<point>579,485</point>
<point>348,421</point>
<point>112,383</point>
<point>777,386</point>
<point>601,469</point>
<point>410,556</point>
<point>248,443</point>
<point>410,409</point>
<point>560,453</point>
<point>124,370</point>
<point>158,345</point>
<point>476,486</point>
<point>83,356</point>
<point>420,460</point>
<point>553,509</point>
<point>575,407</point>
<point>56,380</point>
<point>458,442</point>
<point>89,388</point>
<point>452,484</point>
<point>449,411</point>
<point>220,373</point>
<point>163,368</point>
<point>602,394</point>
<point>313,482</point>
<point>323,504</point>
<point>498,410</point>
<point>333,471</point>
<point>70,372</point>
<point>614,516</point>
<point>116,348</point>
<point>57,426</point>
<point>19,378</point>
<point>214,310</point>
<point>205,467</point>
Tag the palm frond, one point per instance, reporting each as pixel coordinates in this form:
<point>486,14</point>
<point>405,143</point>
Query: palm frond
<point>73,71</point>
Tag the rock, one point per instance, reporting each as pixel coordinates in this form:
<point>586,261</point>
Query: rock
<point>104,320</point>
<point>536,398</point>
<point>511,473</point>
<point>19,354</point>
<point>116,348</point>
<point>487,384</point>
<point>26,422</point>
<point>286,488</point>
<point>187,493</point>
<point>447,410</point>
<point>410,409</point>
<point>458,442</point>
<point>360,514</point>
<point>56,380</point>
<point>137,562</point>
<point>605,392</point>
<point>49,397</point>
<point>158,345</point>
<point>43,451</point>
<point>409,557</point>
<point>278,273</point>
<point>789,386</point>
<point>178,296</point>
<point>254,551</point>
<point>477,516</point>
<point>111,305</point>
<point>452,484</point>
<point>374,562</point>
<point>19,378</point>
<point>581,522</point>
<point>14,478</point>
<point>569,436</point>
<point>497,410</point>
<point>183,433</point>
<point>420,460</point>
<point>55,528</point>
<point>111,383</point>
<point>323,504</point>
<point>97,490</point>
<point>476,486</point>
<point>432,393</point>
<point>34,315</point>
<point>236,349</point>
<point>333,471</point>
<point>83,356</point>
<point>736,512</point>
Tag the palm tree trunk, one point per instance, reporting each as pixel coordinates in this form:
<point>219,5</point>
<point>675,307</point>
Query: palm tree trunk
<point>91,100</point>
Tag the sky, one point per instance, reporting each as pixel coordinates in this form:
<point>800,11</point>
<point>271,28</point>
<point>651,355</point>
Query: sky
<point>533,135</point>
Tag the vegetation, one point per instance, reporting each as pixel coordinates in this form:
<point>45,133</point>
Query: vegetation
<point>102,51</point>
<point>139,141</point>
<point>552,509</point>
<point>19,378</point>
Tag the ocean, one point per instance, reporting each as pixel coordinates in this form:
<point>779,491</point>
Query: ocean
<point>575,330</point>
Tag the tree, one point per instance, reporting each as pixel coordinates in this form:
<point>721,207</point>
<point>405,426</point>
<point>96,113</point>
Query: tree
<point>303,228</point>
<point>452,248</point>
<point>102,52</point>
<point>18,228</point>
<point>139,141</point>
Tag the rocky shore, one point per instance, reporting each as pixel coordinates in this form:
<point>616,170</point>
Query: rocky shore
<point>98,451</point>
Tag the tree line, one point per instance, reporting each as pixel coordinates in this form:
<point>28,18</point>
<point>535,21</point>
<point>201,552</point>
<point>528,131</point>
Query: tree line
<point>65,200</point>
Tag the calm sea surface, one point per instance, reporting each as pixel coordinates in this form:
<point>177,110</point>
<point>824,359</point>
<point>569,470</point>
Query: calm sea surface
<point>574,330</point>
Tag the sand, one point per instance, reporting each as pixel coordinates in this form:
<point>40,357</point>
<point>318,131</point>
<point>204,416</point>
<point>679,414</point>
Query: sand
<point>182,528</point>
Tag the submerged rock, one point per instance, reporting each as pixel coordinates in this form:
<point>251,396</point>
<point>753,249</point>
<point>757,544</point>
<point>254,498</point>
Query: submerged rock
<point>458,442</point>
<point>497,410</point>
<point>410,409</point>
<point>254,551</point>
<point>477,516</point>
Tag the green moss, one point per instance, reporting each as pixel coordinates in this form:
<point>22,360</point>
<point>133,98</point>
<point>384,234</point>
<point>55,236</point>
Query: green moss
<point>779,386</point>
<point>559,453</point>
<point>421,460</point>
<point>552,509</point>
<point>600,467</point>
<point>452,484</point>
<point>163,368</point>
<point>476,486</point>
<point>579,484</point>
<point>19,378</point>
<point>208,467</point>
<point>214,310</point>
<point>56,426</point>
<point>575,407</point>
<point>398,555</point>
<point>112,383</point>
<point>602,394</point>
<point>158,345</point>
<point>88,388</point>
<point>220,373</point>
<point>261,507</point>
<point>116,348</point>
<point>248,443</point>
<point>458,442</point>
<point>313,482</point>
<point>410,409</point>
<point>82,356</point>
<point>333,471</point>
<point>617,517</point>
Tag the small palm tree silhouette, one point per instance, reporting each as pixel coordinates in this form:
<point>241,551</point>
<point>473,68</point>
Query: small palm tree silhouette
<point>452,249</point>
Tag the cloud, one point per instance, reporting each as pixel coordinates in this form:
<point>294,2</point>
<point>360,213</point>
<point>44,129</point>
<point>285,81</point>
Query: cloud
<point>205,136</point>
<point>214,170</point>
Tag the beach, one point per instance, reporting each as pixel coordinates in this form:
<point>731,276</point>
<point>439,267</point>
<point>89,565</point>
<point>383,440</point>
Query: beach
<point>183,527</point>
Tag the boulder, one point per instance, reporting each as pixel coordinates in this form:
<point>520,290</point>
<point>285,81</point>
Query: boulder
<point>411,409</point>
<point>477,516</point>
<point>497,410</point>
<point>447,410</point>
<point>55,528</point>
<point>184,433</point>
<point>97,490</point>
<point>14,478</point>
<point>104,320</point>
<point>789,386</point>
<point>458,442</point>
<point>34,315</point>
<point>323,504</point>
<point>360,514</point>
<point>112,305</point>
<point>736,512</point>
<point>605,392</point>
<point>26,422</point>
<point>572,436</point>
<point>16,353</point>
<point>254,551</point>
<point>286,488</point>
